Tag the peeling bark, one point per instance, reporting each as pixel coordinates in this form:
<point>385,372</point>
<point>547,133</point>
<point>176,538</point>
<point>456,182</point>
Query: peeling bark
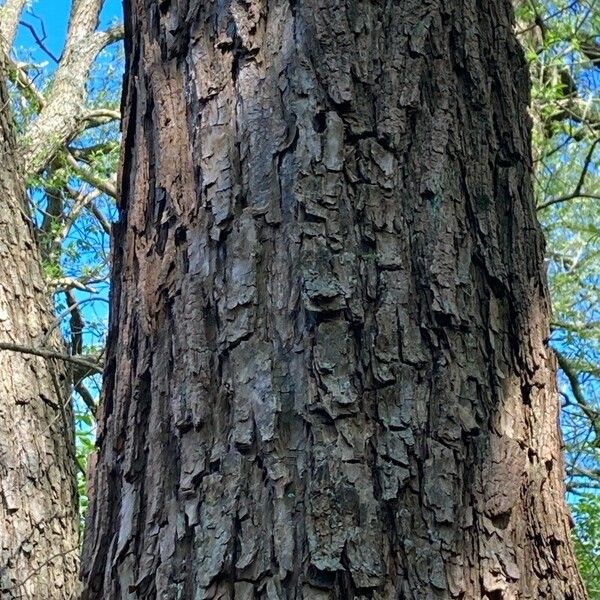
<point>39,537</point>
<point>327,373</point>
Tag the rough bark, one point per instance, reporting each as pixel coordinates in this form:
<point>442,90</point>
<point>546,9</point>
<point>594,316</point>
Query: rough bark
<point>38,502</point>
<point>327,370</point>
<point>10,13</point>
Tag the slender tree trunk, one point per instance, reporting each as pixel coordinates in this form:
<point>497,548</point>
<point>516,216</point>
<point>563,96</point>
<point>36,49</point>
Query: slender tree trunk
<point>38,500</point>
<point>328,375</point>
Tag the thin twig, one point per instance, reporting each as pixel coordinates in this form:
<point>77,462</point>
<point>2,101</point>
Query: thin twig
<point>588,411</point>
<point>40,41</point>
<point>577,192</point>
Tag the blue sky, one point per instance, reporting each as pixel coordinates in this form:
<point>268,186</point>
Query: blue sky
<point>55,16</point>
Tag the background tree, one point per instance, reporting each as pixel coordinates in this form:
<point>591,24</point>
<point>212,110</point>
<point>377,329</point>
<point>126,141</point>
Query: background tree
<point>38,508</point>
<point>327,374</point>
<point>562,46</point>
<point>39,548</point>
<point>74,98</point>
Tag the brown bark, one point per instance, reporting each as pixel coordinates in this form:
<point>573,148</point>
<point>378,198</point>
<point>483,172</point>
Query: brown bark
<point>327,371</point>
<point>38,501</point>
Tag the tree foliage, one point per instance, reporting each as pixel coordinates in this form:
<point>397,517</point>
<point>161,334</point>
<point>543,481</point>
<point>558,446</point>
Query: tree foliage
<point>586,512</point>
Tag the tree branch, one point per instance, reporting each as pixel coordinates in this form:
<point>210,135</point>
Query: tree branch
<point>577,109</point>
<point>87,398</point>
<point>76,323</point>
<point>19,77</point>
<point>571,375</point>
<point>102,220</point>
<point>84,154</point>
<point>591,50</point>
<point>575,327</point>
<point>577,192</point>
<point>80,201</point>
<point>92,367</point>
<point>101,116</point>
<point>66,313</point>
<point>86,174</point>
<point>39,41</point>
<point>70,283</point>
<point>61,117</point>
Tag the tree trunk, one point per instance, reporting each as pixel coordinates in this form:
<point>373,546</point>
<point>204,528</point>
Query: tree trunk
<point>39,523</point>
<point>328,375</point>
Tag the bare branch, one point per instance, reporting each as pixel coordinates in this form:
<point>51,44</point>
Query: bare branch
<point>92,367</point>
<point>87,202</point>
<point>87,398</point>
<point>577,193</point>
<point>101,116</point>
<point>577,109</point>
<point>69,283</point>
<point>86,174</point>
<point>40,41</point>
<point>575,327</point>
<point>587,473</point>
<point>571,375</point>
<point>102,220</point>
<point>568,197</point>
<point>591,50</point>
<point>81,201</point>
<point>76,323</point>
<point>66,313</point>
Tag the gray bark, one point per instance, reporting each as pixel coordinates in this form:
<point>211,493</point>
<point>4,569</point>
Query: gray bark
<point>39,523</point>
<point>327,372</point>
<point>10,13</point>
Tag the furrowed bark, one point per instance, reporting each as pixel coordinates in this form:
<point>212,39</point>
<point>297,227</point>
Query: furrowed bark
<point>39,520</point>
<point>327,372</point>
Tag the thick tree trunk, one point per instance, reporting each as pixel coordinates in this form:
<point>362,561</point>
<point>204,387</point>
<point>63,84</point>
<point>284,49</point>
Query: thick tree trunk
<point>38,502</point>
<point>328,374</point>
